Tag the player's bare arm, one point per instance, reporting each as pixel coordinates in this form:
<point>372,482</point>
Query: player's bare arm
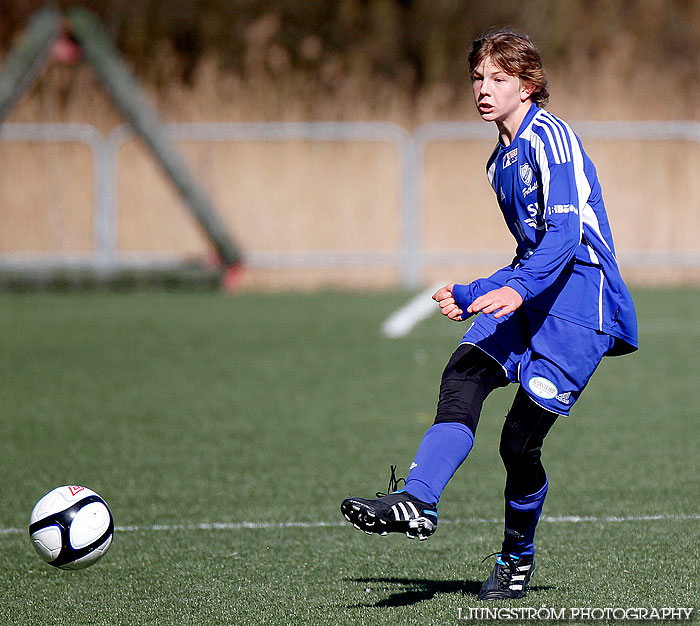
<point>445,298</point>
<point>500,301</point>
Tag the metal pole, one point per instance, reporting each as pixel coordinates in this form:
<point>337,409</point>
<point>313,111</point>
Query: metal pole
<point>127,94</point>
<point>27,57</point>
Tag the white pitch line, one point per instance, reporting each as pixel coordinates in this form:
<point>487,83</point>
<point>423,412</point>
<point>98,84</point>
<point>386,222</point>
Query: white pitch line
<point>227,526</point>
<point>404,320</point>
<point>582,519</point>
<point>555,519</point>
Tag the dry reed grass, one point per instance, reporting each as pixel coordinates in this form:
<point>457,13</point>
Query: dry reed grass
<point>46,198</point>
<point>298,196</point>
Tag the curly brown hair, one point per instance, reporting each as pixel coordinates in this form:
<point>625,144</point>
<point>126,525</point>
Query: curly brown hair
<point>515,54</point>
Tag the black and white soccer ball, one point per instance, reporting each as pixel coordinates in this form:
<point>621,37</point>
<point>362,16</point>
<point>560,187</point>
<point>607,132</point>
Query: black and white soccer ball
<point>71,527</point>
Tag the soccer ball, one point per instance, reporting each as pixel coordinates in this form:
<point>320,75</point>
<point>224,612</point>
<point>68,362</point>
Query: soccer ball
<point>71,527</point>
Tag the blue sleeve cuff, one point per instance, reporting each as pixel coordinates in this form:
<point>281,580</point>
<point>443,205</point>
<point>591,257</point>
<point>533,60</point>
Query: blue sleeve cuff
<point>514,284</point>
<point>462,296</point>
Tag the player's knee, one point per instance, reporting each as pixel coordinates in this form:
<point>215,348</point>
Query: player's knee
<point>520,447</point>
<point>524,430</point>
<point>514,451</point>
<point>470,376</point>
<point>521,455</point>
<point>525,473</point>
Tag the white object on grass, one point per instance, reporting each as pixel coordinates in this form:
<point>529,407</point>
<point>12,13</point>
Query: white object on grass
<point>421,307</point>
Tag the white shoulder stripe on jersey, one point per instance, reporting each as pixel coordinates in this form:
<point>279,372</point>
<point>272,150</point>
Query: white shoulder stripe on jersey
<point>560,130</point>
<point>586,213</point>
<point>552,143</point>
<point>557,134</point>
<point>543,163</point>
<point>583,189</point>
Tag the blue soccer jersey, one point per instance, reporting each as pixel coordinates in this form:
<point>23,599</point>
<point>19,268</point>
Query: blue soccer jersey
<point>565,265</point>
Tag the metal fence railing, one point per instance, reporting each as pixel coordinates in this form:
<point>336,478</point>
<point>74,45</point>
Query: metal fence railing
<point>605,131</point>
<point>90,137</point>
<point>410,260</point>
<point>377,132</point>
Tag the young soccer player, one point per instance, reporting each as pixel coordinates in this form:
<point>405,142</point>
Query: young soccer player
<point>546,320</point>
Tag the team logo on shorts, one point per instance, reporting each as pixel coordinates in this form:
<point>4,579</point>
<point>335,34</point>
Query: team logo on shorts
<point>543,388</point>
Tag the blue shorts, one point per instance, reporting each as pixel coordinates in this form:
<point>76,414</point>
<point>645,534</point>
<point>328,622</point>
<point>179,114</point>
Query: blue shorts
<point>551,358</point>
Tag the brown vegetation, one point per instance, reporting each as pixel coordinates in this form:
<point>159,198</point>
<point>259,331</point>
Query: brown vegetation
<point>395,60</point>
<point>402,60</point>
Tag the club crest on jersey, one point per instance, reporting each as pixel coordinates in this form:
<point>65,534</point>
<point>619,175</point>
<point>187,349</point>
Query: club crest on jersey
<point>510,157</point>
<point>526,173</point>
<point>528,177</point>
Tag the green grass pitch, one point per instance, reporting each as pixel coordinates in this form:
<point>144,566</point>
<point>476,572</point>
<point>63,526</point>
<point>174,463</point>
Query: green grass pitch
<point>195,415</point>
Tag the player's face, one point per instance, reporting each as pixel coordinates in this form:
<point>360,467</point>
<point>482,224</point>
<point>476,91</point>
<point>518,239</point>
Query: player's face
<point>499,97</point>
